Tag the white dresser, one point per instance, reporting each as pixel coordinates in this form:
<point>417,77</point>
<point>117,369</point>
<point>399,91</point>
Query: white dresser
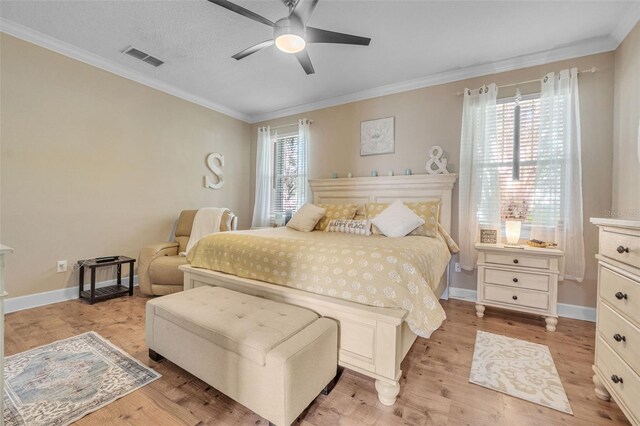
<point>617,361</point>
<point>519,279</point>
<point>4,250</point>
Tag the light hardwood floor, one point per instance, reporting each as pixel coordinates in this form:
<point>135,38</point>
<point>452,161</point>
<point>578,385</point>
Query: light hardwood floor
<point>434,387</point>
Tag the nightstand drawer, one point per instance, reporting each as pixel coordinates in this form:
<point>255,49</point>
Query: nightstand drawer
<point>621,246</point>
<point>624,383</point>
<point>517,279</point>
<point>518,260</point>
<point>620,334</point>
<point>622,293</point>
<point>517,297</point>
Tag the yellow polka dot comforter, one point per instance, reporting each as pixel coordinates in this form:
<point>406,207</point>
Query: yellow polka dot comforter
<point>372,270</point>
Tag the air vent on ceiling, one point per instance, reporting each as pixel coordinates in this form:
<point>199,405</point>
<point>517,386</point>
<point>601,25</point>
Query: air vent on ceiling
<point>145,57</point>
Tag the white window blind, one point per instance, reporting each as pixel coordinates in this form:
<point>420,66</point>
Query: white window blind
<point>517,168</point>
<point>290,174</point>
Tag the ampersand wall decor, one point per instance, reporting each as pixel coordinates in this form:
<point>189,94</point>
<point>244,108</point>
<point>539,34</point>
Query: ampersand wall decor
<point>436,165</point>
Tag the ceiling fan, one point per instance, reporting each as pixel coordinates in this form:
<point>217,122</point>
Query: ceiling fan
<point>291,33</point>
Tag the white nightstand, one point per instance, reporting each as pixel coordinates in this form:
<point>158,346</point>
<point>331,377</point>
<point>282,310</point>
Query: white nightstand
<point>520,279</point>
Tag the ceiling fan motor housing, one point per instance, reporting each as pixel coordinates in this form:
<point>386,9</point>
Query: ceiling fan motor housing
<point>288,34</point>
<point>288,25</point>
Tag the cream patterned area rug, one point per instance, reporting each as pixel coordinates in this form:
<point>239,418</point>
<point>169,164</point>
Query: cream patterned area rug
<point>521,369</point>
<point>61,382</point>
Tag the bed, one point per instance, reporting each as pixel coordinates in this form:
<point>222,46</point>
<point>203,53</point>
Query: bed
<point>374,337</point>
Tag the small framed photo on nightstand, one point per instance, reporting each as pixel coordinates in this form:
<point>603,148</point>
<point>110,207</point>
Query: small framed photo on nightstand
<point>488,236</point>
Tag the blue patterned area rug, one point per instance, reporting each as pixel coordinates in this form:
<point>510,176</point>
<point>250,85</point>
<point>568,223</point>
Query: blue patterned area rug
<point>59,383</point>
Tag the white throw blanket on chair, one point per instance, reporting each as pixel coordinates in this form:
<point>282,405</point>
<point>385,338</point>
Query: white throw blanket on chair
<point>207,221</point>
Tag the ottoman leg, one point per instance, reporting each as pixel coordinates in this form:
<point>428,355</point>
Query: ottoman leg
<point>327,389</point>
<point>155,356</point>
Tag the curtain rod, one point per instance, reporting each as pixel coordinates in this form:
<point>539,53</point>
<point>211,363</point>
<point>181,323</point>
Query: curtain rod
<point>587,71</point>
<point>286,125</point>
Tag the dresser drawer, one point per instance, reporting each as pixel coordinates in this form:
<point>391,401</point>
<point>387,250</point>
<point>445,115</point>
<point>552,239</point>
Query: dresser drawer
<point>517,279</point>
<point>518,260</point>
<point>622,293</point>
<point>516,296</point>
<point>610,364</point>
<point>621,335</point>
<point>621,246</point>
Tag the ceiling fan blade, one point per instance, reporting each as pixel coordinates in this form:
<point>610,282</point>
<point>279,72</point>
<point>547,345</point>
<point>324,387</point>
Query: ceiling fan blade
<point>305,61</point>
<point>253,49</point>
<point>316,35</point>
<point>242,11</point>
<point>304,9</point>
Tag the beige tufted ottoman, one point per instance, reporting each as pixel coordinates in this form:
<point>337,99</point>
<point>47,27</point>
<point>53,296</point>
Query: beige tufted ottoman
<point>271,357</point>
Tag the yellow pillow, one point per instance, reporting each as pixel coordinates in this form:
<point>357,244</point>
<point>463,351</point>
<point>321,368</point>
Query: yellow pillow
<point>429,211</point>
<point>336,211</point>
<point>361,213</point>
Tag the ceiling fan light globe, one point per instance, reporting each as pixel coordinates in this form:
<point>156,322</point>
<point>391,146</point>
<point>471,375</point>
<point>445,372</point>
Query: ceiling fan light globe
<point>290,43</point>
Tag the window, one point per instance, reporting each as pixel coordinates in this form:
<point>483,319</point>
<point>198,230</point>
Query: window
<point>290,174</point>
<point>514,154</point>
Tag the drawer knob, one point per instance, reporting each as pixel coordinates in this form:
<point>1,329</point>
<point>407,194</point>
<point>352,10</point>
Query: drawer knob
<point>515,297</point>
<point>515,280</point>
<point>622,249</point>
<point>620,295</point>
<point>515,261</point>
<point>619,338</point>
<point>616,379</point>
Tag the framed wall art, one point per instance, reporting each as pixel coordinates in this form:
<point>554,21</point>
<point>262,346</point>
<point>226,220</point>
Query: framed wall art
<point>377,136</point>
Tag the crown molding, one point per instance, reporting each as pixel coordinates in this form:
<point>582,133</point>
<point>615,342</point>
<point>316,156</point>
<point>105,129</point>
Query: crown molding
<point>590,47</point>
<point>32,36</point>
<point>627,23</point>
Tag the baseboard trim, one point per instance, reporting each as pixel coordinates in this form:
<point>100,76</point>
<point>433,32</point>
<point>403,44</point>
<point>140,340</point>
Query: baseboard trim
<point>20,303</point>
<point>565,310</point>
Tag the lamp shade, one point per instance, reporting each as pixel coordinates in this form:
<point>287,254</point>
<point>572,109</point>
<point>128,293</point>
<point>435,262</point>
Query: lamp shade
<point>513,229</point>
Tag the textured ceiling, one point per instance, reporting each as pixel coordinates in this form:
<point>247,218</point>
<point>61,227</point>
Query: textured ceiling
<point>410,40</point>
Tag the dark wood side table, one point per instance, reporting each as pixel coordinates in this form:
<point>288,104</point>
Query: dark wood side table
<point>108,292</point>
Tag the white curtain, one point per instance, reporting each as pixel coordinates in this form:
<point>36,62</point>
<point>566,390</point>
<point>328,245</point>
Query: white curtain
<point>479,186</point>
<point>304,139</point>
<point>264,179</point>
<point>638,140</point>
<point>559,172</point>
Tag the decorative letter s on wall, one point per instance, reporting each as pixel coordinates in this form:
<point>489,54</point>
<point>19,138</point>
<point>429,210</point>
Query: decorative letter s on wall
<point>216,170</point>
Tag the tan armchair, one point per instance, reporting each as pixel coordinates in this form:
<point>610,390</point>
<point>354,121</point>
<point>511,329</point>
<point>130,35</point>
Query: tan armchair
<point>158,272</point>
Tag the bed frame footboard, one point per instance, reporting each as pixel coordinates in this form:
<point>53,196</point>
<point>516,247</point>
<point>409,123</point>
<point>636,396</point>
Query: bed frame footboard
<point>372,341</point>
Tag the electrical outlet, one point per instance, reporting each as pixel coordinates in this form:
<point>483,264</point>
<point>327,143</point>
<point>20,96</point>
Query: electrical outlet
<point>62,266</point>
<point>458,268</point>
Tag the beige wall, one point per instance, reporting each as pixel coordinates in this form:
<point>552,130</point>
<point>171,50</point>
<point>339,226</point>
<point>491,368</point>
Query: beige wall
<point>432,116</point>
<point>626,164</point>
<point>94,164</point>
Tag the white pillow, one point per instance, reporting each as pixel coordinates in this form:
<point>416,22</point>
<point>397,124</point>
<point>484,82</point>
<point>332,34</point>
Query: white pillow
<point>306,218</point>
<point>397,220</point>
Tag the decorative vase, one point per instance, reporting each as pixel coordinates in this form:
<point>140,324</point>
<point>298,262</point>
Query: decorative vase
<point>374,173</point>
<point>349,175</point>
<point>513,228</point>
